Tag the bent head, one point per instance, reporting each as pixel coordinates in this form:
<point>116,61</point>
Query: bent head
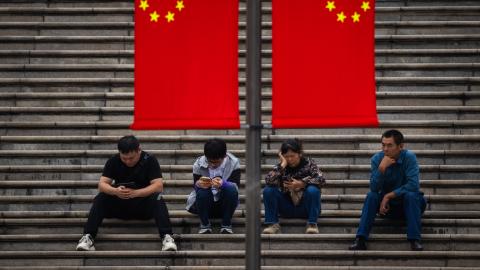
<point>130,152</point>
<point>215,151</point>
<point>292,151</point>
<point>131,159</point>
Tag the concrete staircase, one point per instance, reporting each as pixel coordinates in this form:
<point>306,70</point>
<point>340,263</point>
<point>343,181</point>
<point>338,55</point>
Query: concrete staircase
<point>66,97</point>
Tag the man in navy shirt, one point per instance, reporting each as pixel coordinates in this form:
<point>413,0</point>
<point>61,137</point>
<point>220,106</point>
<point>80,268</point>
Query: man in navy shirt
<point>394,191</point>
<point>130,188</point>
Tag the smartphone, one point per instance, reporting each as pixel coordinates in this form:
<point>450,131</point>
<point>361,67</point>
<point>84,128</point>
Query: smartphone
<point>205,179</point>
<point>127,185</point>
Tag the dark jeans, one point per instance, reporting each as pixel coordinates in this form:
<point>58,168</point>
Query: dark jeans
<point>108,206</point>
<point>276,203</point>
<point>410,207</point>
<point>224,208</point>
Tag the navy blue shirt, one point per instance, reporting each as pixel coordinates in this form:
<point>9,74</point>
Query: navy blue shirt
<point>400,177</point>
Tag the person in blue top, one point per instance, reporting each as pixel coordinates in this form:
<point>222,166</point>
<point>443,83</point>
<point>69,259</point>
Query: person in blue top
<point>394,191</point>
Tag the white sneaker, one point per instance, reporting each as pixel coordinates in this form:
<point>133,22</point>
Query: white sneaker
<point>226,230</point>
<point>86,243</point>
<point>168,244</point>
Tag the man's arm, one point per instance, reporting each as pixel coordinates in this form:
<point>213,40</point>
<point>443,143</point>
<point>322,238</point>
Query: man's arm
<point>156,185</point>
<point>105,186</point>
<point>376,178</point>
<point>412,173</point>
<point>235,177</point>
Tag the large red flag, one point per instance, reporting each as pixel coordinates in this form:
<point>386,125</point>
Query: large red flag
<point>186,64</point>
<point>323,63</point>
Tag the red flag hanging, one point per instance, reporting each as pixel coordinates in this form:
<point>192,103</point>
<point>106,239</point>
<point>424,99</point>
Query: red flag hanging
<point>186,64</point>
<point>323,63</point>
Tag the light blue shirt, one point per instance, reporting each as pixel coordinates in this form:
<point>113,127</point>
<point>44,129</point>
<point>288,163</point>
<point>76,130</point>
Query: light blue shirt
<point>400,177</point>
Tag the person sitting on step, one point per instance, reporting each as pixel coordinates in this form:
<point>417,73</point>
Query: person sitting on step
<point>216,178</point>
<point>130,188</point>
<point>292,189</point>
<point>394,191</point>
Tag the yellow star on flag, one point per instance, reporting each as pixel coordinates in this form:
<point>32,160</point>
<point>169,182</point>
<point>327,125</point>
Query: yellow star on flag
<point>365,6</point>
<point>341,17</point>
<point>356,17</point>
<point>180,5</point>
<point>144,5</point>
<point>154,16</point>
<point>330,6</point>
<point>170,17</point>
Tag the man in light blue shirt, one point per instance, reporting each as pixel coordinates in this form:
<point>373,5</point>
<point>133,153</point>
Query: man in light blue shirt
<point>394,191</point>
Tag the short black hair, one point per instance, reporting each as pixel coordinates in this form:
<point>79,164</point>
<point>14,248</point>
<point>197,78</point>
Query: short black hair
<point>128,144</point>
<point>215,149</point>
<point>291,144</point>
<point>397,136</point>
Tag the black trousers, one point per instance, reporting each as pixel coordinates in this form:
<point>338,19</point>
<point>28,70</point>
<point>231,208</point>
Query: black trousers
<point>108,206</point>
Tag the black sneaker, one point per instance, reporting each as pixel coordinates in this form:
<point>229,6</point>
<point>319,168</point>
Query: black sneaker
<point>358,244</point>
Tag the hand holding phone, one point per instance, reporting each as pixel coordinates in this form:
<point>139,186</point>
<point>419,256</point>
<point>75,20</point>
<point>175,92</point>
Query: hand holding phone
<point>204,182</point>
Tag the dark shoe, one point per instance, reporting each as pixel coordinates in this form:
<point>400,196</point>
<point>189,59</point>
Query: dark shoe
<point>416,245</point>
<point>358,244</point>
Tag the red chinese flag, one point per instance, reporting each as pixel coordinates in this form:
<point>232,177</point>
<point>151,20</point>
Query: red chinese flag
<point>323,63</point>
<point>186,64</point>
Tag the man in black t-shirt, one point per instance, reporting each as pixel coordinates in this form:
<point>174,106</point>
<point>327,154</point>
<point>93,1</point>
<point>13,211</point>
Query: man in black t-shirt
<point>130,188</point>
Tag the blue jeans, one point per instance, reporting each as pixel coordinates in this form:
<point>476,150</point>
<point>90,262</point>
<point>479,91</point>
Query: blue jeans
<point>410,207</point>
<point>276,203</point>
<point>224,208</point>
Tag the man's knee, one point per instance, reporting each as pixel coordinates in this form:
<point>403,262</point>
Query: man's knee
<point>203,194</point>
<point>312,191</point>
<point>413,198</point>
<point>103,198</point>
<point>373,197</point>
<point>230,192</point>
<point>269,192</point>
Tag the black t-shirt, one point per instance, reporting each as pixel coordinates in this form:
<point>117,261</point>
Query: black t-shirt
<point>146,169</point>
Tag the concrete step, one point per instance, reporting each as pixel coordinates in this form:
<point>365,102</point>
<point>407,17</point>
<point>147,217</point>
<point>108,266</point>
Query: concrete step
<point>177,202</point>
<point>108,99</point>
<point>225,267</point>
<point>182,187</point>
<point>384,10</point>
<point>116,128</point>
<point>104,242</point>
<point>126,70</point>
<point>187,157</point>
<point>330,221</point>
<point>317,141</point>
<point>466,83</point>
<point>126,113</point>
<point>126,28</point>
<point>390,41</point>
<point>269,257</point>
<point>332,171</point>
<point>126,56</point>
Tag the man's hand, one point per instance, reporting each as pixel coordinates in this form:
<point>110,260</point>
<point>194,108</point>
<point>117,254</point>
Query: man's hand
<point>386,162</point>
<point>384,207</point>
<point>204,184</point>
<point>126,193</point>
<point>217,182</point>
<point>283,161</point>
<point>294,184</point>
